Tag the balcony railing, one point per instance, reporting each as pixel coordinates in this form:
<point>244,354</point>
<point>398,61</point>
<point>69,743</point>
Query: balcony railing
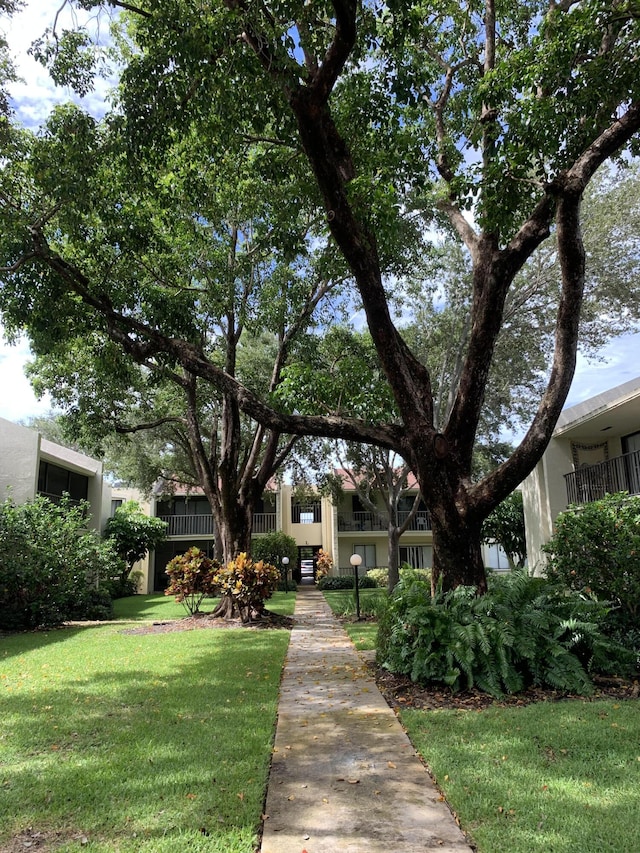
<point>189,525</point>
<point>264,522</point>
<point>592,482</point>
<point>364,521</point>
<point>202,525</point>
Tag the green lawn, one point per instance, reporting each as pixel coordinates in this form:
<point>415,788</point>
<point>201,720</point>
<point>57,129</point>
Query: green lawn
<point>554,777</point>
<point>343,601</point>
<point>158,607</point>
<point>561,776</point>
<point>129,742</point>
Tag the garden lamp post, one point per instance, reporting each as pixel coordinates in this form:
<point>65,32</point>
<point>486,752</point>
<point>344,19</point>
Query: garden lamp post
<point>355,560</point>
<point>285,564</point>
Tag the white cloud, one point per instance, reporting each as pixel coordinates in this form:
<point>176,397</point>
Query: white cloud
<point>621,363</point>
<point>35,94</point>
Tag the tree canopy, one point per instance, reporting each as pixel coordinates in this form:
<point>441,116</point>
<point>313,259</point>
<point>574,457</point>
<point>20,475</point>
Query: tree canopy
<point>488,120</point>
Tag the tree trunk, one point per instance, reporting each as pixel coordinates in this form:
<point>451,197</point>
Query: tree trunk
<point>229,608</point>
<point>236,528</point>
<point>394,557</point>
<point>457,555</point>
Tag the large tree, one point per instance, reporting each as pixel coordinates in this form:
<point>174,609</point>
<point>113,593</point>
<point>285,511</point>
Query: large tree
<point>490,117</point>
<point>196,252</point>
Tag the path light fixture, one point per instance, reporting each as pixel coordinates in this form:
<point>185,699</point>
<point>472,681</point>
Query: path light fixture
<point>355,560</point>
<point>285,565</point>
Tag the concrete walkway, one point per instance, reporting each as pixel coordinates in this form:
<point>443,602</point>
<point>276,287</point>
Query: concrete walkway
<point>344,777</point>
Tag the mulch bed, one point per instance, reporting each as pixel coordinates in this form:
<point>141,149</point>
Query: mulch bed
<point>401,692</point>
<point>205,620</point>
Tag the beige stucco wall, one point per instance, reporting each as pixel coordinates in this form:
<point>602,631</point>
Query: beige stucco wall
<point>19,459</point>
<point>544,496</point>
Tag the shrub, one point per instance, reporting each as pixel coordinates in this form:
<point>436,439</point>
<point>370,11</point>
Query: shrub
<point>192,576</point>
<point>324,564</point>
<point>272,547</point>
<point>380,576</point>
<point>119,588</point>
<point>93,604</point>
<point>133,534</point>
<point>244,585</point>
<point>50,565</point>
<point>524,631</point>
<point>346,582</point>
<point>596,550</point>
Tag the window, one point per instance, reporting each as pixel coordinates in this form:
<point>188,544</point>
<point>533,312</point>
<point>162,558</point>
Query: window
<point>368,554</point>
<point>116,503</point>
<point>417,556</point>
<point>54,481</point>
<point>309,513</point>
<point>184,506</point>
<point>495,558</point>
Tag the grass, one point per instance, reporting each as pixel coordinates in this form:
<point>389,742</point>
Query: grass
<point>554,777</point>
<point>343,602</point>
<point>561,777</point>
<point>128,742</point>
<point>363,634</point>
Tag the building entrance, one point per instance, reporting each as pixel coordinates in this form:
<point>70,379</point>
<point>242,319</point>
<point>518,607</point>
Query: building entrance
<point>306,569</point>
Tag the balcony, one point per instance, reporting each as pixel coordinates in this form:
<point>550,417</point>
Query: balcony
<point>369,521</point>
<point>592,482</point>
<point>203,526</point>
<point>264,522</point>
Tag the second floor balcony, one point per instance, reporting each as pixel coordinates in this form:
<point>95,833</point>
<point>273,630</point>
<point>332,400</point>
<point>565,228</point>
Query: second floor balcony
<point>370,521</point>
<point>203,526</point>
<point>592,482</point>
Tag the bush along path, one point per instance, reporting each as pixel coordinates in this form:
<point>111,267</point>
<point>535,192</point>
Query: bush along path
<point>344,776</point>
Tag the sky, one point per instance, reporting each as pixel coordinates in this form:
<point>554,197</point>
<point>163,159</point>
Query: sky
<point>33,99</point>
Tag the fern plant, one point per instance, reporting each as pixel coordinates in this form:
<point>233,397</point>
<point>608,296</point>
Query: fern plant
<point>524,631</point>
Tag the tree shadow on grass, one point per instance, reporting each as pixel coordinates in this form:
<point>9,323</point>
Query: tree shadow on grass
<point>153,737</point>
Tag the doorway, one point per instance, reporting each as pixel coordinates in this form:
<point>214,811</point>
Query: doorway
<point>306,568</point>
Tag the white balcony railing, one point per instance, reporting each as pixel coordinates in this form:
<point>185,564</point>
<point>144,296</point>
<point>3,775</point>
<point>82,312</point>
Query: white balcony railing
<point>203,525</point>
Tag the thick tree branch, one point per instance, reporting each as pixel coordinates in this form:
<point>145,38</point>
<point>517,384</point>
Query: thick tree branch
<point>142,342</point>
<point>571,252</point>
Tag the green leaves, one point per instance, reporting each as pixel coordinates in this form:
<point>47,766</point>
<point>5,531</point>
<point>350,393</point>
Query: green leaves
<point>134,533</point>
<point>336,373</point>
<point>50,566</point>
<point>505,526</point>
<point>523,631</point>
<point>595,550</point>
